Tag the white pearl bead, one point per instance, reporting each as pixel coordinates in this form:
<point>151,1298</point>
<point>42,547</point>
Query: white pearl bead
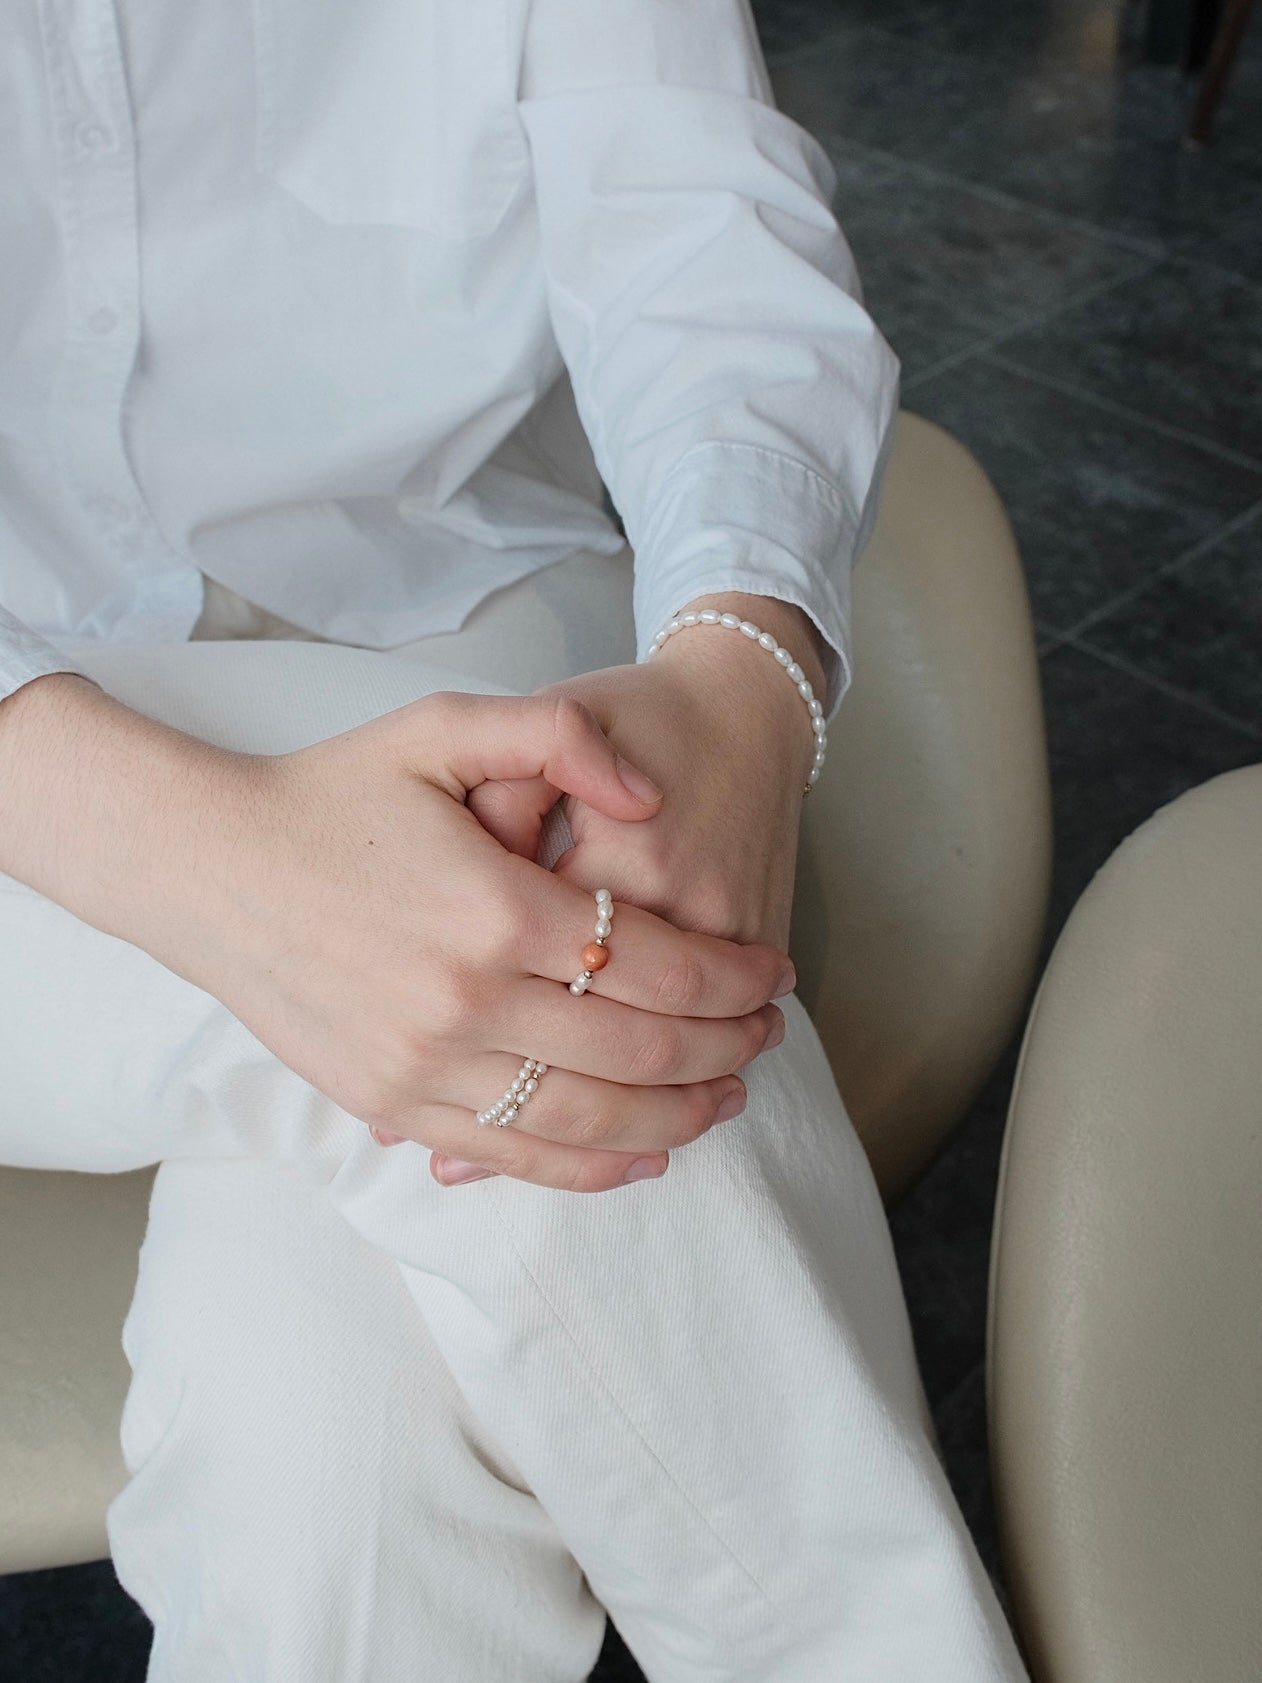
<point>766,640</point>
<point>690,619</point>
<point>730,620</point>
<point>710,616</point>
<point>603,927</point>
<point>483,1116</point>
<point>541,1069</point>
<point>604,895</point>
<point>674,626</point>
<point>510,1113</point>
<point>532,1086</point>
<point>805,690</point>
<point>750,629</point>
<point>517,1084</point>
<point>820,758</point>
<point>784,657</point>
<point>815,708</point>
<point>796,673</point>
<point>818,725</point>
<point>814,775</point>
<point>659,639</point>
<point>578,985</point>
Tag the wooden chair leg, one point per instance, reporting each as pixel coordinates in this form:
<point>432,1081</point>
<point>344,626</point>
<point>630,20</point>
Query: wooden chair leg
<point>1214,82</point>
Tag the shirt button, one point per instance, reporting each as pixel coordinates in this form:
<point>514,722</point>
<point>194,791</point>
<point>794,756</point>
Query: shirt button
<point>93,138</point>
<point>103,321</point>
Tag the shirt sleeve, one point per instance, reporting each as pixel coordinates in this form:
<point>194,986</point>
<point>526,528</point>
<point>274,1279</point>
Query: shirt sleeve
<point>25,655</point>
<point>738,398</point>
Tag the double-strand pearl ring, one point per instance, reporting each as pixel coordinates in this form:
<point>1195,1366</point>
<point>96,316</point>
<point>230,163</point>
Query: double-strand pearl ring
<point>764,639</point>
<point>595,955</point>
<point>524,1084</point>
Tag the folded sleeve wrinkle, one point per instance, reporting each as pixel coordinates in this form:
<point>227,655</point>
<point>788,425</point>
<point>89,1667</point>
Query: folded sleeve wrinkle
<point>738,397</point>
<point>25,655</point>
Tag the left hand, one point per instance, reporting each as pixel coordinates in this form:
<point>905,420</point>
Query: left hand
<point>723,732</point>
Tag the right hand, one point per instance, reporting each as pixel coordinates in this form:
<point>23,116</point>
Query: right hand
<point>348,908</point>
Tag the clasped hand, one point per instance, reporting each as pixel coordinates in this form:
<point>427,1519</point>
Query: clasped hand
<point>355,914</point>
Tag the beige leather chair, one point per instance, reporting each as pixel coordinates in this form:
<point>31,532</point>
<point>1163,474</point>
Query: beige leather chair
<point>1126,1292</point>
<point>921,903</point>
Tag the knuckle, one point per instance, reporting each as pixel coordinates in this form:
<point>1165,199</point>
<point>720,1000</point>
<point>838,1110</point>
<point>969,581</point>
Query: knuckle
<point>501,932</point>
<point>657,1058</point>
<point>371,1101</point>
<point>590,1125</point>
<point>680,985</point>
<point>452,1000</point>
<point>570,718</point>
<point>656,883</point>
<point>441,707</point>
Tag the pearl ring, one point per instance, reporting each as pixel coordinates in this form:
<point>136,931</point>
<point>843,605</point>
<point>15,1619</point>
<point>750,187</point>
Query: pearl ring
<point>594,957</point>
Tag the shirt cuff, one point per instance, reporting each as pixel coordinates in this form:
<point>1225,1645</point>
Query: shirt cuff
<point>739,517</point>
<point>25,655</point>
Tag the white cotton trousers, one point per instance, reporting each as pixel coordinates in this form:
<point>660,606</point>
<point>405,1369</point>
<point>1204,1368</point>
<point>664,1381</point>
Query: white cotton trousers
<point>381,1430</point>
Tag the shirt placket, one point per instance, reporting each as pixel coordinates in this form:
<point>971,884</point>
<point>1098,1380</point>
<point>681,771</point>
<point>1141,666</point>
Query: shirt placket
<point>96,157</point>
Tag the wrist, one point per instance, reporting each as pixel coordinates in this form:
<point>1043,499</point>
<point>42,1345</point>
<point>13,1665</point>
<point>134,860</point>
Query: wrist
<point>789,624</point>
<point>754,689</point>
<point>103,806</point>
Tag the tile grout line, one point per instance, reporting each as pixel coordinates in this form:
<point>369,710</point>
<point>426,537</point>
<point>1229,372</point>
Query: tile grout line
<point>1029,323</point>
<point>1152,246</point>
<point>1186,558</point>
<point>1171,691</point>
<point>1158,250</point>
<point>1235,458</point>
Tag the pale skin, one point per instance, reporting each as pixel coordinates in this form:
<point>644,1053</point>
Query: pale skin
<point>370,909</point>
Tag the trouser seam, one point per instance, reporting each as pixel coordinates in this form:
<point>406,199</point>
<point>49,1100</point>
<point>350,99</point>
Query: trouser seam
<point>598,1380</point>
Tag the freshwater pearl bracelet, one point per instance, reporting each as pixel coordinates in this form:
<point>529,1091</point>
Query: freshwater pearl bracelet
<point>764,639</point>
<point>524,1083</point>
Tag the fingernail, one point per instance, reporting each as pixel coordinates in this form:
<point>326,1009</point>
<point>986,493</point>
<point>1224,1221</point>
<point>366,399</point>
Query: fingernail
<point>454,1172</point>
<point>731,1105</point>
<point>383,1138</point>
<point>776,1035</point>
<point>643,788</point>
<point>786,984</point>
<point>645,1168</point>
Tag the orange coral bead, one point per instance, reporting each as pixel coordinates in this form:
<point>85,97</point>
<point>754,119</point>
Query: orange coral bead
<point>594,956</point>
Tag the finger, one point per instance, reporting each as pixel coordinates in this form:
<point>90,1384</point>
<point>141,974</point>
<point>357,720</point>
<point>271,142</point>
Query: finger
<point>592,1035</point>
<point>566,1168</point>
<point>512,810</point>
<point>550,736</point>
<point>582,1110</point>
<point>652,964</point>
<point>525,1156</point>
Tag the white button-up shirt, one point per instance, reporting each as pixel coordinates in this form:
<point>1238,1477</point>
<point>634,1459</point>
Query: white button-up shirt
<point>352,304</point>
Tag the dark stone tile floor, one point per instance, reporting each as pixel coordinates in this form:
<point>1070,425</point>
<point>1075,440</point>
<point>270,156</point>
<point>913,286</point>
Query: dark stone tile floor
<point>1079,298</point>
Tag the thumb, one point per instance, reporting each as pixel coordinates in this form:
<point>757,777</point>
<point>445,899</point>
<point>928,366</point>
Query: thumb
<point>555,738</point>
<point>513,811</point>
